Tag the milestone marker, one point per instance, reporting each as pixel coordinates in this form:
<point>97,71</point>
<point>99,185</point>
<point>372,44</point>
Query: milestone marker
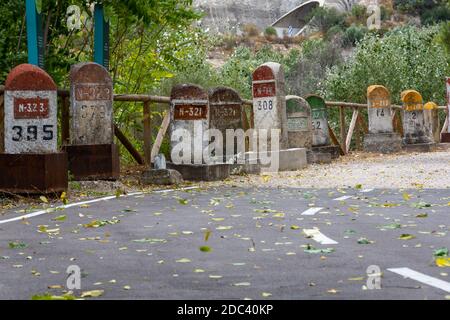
<point>381,137</point>
<point>29,159</point>
<point>92,152</point>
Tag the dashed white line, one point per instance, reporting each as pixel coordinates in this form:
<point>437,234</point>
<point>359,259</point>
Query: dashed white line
<point>423,278</point>
<point>50,210</point>
<point>319,237</point>
<point>343,198</point>
<point>311,211</point>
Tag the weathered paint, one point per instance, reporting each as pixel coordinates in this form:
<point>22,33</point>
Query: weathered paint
<point>226,113</point>
<point>269,102</point>
<point>379,110</point>
<point>431,117</point>
<point>448,100</point>
<point>321,135</point>
<point>91,102</point>
<point>193,100</point>
<point>299,122</point>
<point>413,118</point>
<point>29,112</point>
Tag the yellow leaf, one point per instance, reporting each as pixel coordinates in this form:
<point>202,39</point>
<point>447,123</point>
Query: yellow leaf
<point>406,196</point>
<point>406,237</point>
<point>43,199</point>
<point>92,294</point>
<point>443,262</point>
<point>295,227</point>
<point>207,235</point>
<point>64,197</point>
<point>266,178</point>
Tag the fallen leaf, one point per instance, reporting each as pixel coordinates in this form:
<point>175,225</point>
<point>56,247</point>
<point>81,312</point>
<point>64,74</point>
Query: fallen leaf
<point>441,252</point>
<point>92,293</point>
<point>183,260</point>
<point>43,199</point>
<point>60,218</point>
<point>51,297</point>
<point>205,249</point>
<point>406,236</point>
<point>443,262</point>
<point>207,235</point>
<point>17,245</point>
<point>364,241</point>
<point>242,284</point>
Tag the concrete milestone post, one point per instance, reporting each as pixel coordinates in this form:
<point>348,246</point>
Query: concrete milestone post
<point>227,114</point>
<point>270,117</point>
<point>321,146</point>
<point>446,134</point>
<point>416,136</point>
<point>299,122</point>
<point>381,137</point>
<point>29,159</point>
<point>92,152</point>
<point>190,136</point>
<point>431,115</point>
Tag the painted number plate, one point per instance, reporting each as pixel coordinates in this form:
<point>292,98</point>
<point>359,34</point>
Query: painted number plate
<point>31,108</point>
<point>92,92</point>
<point>191,112</point>
<point>228,112</point>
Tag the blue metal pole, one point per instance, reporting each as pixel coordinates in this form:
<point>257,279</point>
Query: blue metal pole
<point>101,37</point>
<point>33,51</point>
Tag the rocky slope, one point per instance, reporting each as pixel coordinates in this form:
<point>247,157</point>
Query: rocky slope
<point>231,15</point>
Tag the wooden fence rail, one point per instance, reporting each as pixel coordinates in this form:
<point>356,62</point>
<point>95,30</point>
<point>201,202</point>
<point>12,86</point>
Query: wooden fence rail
<point>357,123</point>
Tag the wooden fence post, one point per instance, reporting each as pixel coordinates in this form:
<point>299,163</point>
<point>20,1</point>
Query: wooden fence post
<point>342,127</point>
<point>65,121</point>
<point>147,133</point>
<point>351,130</point>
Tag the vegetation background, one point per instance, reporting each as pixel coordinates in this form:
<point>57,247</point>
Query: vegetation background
<point>156,44</point>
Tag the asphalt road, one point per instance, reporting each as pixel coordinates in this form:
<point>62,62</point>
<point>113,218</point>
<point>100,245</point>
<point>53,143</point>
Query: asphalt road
<point>149,247</point>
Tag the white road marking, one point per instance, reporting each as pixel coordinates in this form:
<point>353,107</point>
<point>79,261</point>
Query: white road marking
<point>51,210</point>
<point>343,198</point>
<point>319,237</point>
<point>423,278</point>
<point>311,211</point>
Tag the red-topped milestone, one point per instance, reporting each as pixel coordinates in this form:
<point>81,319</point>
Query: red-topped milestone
<point>27,77</point>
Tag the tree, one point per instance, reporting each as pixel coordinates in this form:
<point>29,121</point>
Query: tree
<point>405,58</point>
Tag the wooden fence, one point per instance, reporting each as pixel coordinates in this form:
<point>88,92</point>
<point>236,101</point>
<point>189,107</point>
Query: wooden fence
<point>357,123</point>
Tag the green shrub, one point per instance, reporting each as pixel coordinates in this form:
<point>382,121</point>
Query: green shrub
<point>353,34</point>
<point>326,18</point>
<point>436,14</point>
<point>251,30</point>
<point>270,32</point>
<point>405,58</point>
<point>359,12</point>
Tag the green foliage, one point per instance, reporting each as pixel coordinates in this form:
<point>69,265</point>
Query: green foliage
<point>270,32</point>
<point>326,18</point>
<point>354,34</point>
<point>430,11</point>
<point>308,72</point>
<point>436,14</point>
<point>405,58</point>
<point>444,36</point>
<point>359,12</point>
